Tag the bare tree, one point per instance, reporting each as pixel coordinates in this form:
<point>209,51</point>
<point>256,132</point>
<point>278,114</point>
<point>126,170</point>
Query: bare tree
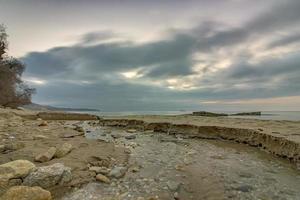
<point>13,91</point>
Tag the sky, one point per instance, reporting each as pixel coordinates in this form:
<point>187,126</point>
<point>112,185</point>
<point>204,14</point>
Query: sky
<point>141,55</point>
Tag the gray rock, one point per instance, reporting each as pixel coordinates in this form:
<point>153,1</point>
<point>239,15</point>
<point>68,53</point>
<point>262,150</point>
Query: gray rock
<point>173,185</point>
<point>63,150</point>
<point>46,156</point>
<point>117,172</point>
<point>130,137</point>
<point>116,135</point>
<point>244,188</point>
<point>48,176</point>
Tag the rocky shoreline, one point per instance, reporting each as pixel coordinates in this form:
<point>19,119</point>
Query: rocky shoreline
<point>274,142</point>
<point>60,156</point>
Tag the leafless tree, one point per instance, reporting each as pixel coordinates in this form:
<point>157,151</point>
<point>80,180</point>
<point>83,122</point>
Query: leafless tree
<point>13,91</point>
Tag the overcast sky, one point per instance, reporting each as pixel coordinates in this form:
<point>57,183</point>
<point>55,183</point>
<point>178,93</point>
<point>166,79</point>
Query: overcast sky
<point>128,55</point>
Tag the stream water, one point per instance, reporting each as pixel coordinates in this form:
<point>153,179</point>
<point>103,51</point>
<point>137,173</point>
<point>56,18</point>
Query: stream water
<point>169,167</point>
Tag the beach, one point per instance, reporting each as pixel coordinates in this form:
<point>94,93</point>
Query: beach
<point>150,156</point>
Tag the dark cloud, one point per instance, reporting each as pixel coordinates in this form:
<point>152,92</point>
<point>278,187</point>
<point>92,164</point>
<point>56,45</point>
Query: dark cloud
<point>92,69</point>
<point>287,40</point>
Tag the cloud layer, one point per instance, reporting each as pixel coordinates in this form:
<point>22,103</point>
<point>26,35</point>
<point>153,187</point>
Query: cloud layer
<point>182,69</point>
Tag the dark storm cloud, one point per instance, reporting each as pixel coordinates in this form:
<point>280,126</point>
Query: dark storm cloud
<point>172,56</point>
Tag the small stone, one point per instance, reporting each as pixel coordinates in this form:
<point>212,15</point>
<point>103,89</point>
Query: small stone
<point>79,129</point>
<point>43,123</point>
<point>117,172</point>
<point>173,185</point>
<point>40,137</point>
<point>244,188</point>
<point>12,147</point>
<point>63,150</point>
<point>130,137</point>
<point>179,167</point>
<point>176,195</point>
<point>116,135</point>
<point>39,119</point>
<point>107,131</point>
<point>131,130</point>
<point>128,151</point>
<point>135,169</point>
<point>26,193</point>
<point>140,198</point>
<point>99,170</point>
<point>102,178</point>
<point>46,156</point>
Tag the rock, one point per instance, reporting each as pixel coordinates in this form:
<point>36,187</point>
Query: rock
<point>99,170</point>
<point>140,198</point>
<point>39,119</point>
<point>43,123</point>
<point>102,178</point>
<point>244,188</point>
<point>131,130</point>
<point>173,185</point>
<point>128,151</point>
<point>26,193</point>
<point>40,137</point>
<point>117,172</point>
<point>116,135</point>
<point>63,150</point>
<point>14,182</point>
<point>107,131</point>
<point>15,169</point>
<point>71,134</point>
<point>48,176</point>
<point>46,156</point>
<point>176,195</point>
<point>135,169</point>
<point>11,147</point>
<point>130,137</point>
<point>79,129</point>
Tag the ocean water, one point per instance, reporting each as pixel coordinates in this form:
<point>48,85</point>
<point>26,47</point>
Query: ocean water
<point>266,115</point>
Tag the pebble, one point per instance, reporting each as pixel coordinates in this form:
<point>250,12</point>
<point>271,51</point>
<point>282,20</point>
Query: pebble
<point>131,130</point>
<point>117,172</point>
<point>173,185</point>
<point>43,123</point>
<point>102,178</point>
<point>130,137</point>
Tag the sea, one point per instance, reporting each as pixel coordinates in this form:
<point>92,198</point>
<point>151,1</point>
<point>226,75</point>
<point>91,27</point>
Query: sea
<point>266,115</point>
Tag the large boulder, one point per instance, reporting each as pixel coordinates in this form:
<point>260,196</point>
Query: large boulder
<point>63,150</point>
<point>46,156</point>
<point>26,193</point>
<point>48,176</point>
<point>15,169</point>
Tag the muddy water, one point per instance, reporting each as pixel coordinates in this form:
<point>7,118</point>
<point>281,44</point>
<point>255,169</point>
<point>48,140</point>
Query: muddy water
<point>166,167</point>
